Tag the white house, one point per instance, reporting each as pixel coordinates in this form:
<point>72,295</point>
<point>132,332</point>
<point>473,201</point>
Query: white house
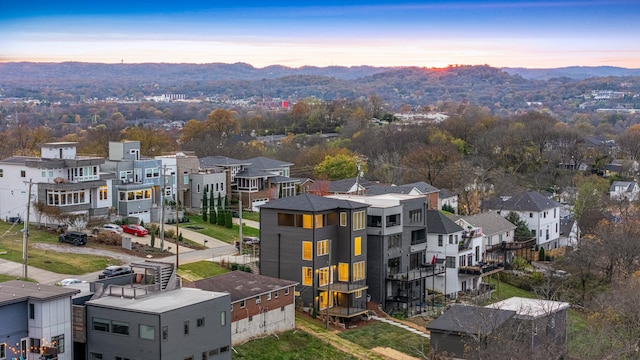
<point>541,214</point>
<point>59,178</point>
<point>621,190</point>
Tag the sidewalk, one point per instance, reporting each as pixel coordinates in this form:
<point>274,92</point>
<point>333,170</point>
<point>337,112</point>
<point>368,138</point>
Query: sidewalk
<point>42,276</point>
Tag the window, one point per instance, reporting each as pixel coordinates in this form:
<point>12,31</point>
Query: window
<point>323,247</point>
<point>204,355</point>
<point>23,173</point>
<point>101,324</point>
<point>165,333</point>
<point>343,272</point>
<point>34,345</point>
<point>530,215</point>
<point>104,193</point>
<point>533,232</point>
<point>554,213</point>
<point>358,271</point>
<point>307,252</point>
<point>95,356</point>
<point>3,347</point>
<point>451,262</point>
<point>415,216</point>
<point>307,221</point>
<point>186,327</point>
<point>358,294</point>
<point>275,293</point>
<point>242,304</point>
<point>148,332</point>
<point>357,246</point>
<point>152,173</point>
<point>32,311</point>
<point>268,296</point>
<point>418,237</point>
<point>223,318</point>
<point>359,220</point>
<point>224,349</point>
<point>440,240</point>
<point>185,178</point>
<point>343,215</point>
<point>319,221</point>
<point>120,327</point>
<point>286,291</point>
<point>450,239</point>
<point>1,173</point>
<point>323,276</point>
<point>200,322</point>
<point>213,352</point>
<point>258,300</point>
<point>307,276</point>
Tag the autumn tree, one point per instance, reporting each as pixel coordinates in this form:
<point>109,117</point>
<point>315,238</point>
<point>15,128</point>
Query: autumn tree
<point>426,162</point>
<point>153,142</point>
<point>223,122</point>
<point>340,166</point>
<point>629,141</point>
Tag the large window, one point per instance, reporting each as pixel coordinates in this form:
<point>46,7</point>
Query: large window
<point>357,246</point>
<point>418,237</point>
<point>64,197</point>
<point>395,240</point>
<point>343,272</point>
<point>359,220</point>
<point>319,218</point>
<point>451,262</point>
<point>415,216</point>
<point>56,342</point>
<point>323,247</point>
<point>135,195</point>
<point>307,221</point>
<point>152,173</point>
<point>358,271</point>
<point>3,351</point>
<point>307,276</point>
<point>147,332</point>
<point>307,250</point>
<point>104,193</point>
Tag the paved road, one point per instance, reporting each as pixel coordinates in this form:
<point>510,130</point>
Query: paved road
<point>217,251</point>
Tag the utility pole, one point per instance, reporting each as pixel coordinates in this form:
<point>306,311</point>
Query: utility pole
<point>164,186</point>
<point>25,235</point>
<point>240,226</point>
<point>177,229</point>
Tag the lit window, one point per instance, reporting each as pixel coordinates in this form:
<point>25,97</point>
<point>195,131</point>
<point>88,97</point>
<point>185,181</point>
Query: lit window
<point>343,219</point>
<point>307,276</point>
<point>359,220</point>
<point>358,294</point>
<point>319,221</point>
<point>343,272</point>
<point>307,221</point>
<point>357,246</point>
<point>307,252</point>
<point>323,276</point>
<point>323,247</point>
<point>358,271</point>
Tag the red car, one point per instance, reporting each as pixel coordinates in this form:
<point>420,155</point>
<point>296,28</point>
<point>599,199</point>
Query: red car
<point>135,229</point>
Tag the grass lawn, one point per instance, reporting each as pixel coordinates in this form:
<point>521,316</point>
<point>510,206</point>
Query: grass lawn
<point>220,232</point>
<point>200,270</point>
<point>251,215</point>
<point>58,262</point>
<point>379,334</point>
<point>4,278</point>
<point>505,291</point>
<point>289,345</point>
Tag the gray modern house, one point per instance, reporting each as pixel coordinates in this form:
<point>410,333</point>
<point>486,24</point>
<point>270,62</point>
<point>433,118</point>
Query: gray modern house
<point>184,323</point>
<point>321,243</point>
<point>397,267</point>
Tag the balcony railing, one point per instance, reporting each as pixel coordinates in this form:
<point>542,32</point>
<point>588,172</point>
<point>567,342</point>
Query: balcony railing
<point>480,269</point>
<point>345,287</point>
<point>516,245</point>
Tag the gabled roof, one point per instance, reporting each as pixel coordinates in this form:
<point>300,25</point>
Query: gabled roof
<point>423,187</point>
<point>266,163</point>
<point>310,202</point>
<point>527,201</point>
<point>391,189</point>
<point>470,319</point>
<point>438,223</point>
<point>18,290</point>
<point>284,179</point>
<point>445,194</point>
<point>242,285</point>
<point>490,222</point>
<point>627,185</point>
<point>253,173</point>
<point>221,161</point>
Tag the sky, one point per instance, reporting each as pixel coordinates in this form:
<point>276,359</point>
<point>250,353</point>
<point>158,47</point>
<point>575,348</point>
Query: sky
<point>532,34</point>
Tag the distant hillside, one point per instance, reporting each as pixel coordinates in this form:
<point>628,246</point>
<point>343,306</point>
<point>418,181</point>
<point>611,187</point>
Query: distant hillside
<point>573,72</point>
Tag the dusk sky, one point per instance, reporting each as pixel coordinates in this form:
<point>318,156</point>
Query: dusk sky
<point>534,34</point>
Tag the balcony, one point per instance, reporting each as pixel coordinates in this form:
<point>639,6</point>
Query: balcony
<point>345,287</point>
<point>347,312</point>
<point>510,246</point>
<point>414,274</point>
<point>481,269</point>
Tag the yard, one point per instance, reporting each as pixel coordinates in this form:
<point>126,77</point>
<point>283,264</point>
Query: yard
<point>201,270</point>
<point>219,232</point>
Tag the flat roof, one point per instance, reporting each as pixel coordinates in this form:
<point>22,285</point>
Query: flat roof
<point>530,308</point>
<point>158,303</point>
<point>18,290</point>
<point>379,201</point>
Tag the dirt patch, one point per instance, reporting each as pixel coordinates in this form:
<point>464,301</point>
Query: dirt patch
<point>390,353</point>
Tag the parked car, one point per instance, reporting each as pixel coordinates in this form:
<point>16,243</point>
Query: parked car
<point>135,229</point>
<point>67,282</point>
<point>249,241</point>
<point>73,237</point>
<point>115,270</point>
<point>108,228</point>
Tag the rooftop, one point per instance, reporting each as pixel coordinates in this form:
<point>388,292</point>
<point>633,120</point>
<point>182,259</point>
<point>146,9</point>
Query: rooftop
<point>530,308</point>
<point>18,290</point>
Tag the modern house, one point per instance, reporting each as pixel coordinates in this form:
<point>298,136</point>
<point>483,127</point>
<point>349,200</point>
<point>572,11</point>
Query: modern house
<point>416,188</point>
<point>541,214</point>
<point>320,243</point>
<point>140,321</point>
<point>138,181</point>
<point>35,319</point>
<point>397,267</point>
<point>534,327</point>
<point>260,305</point>
<point>66,188</point>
